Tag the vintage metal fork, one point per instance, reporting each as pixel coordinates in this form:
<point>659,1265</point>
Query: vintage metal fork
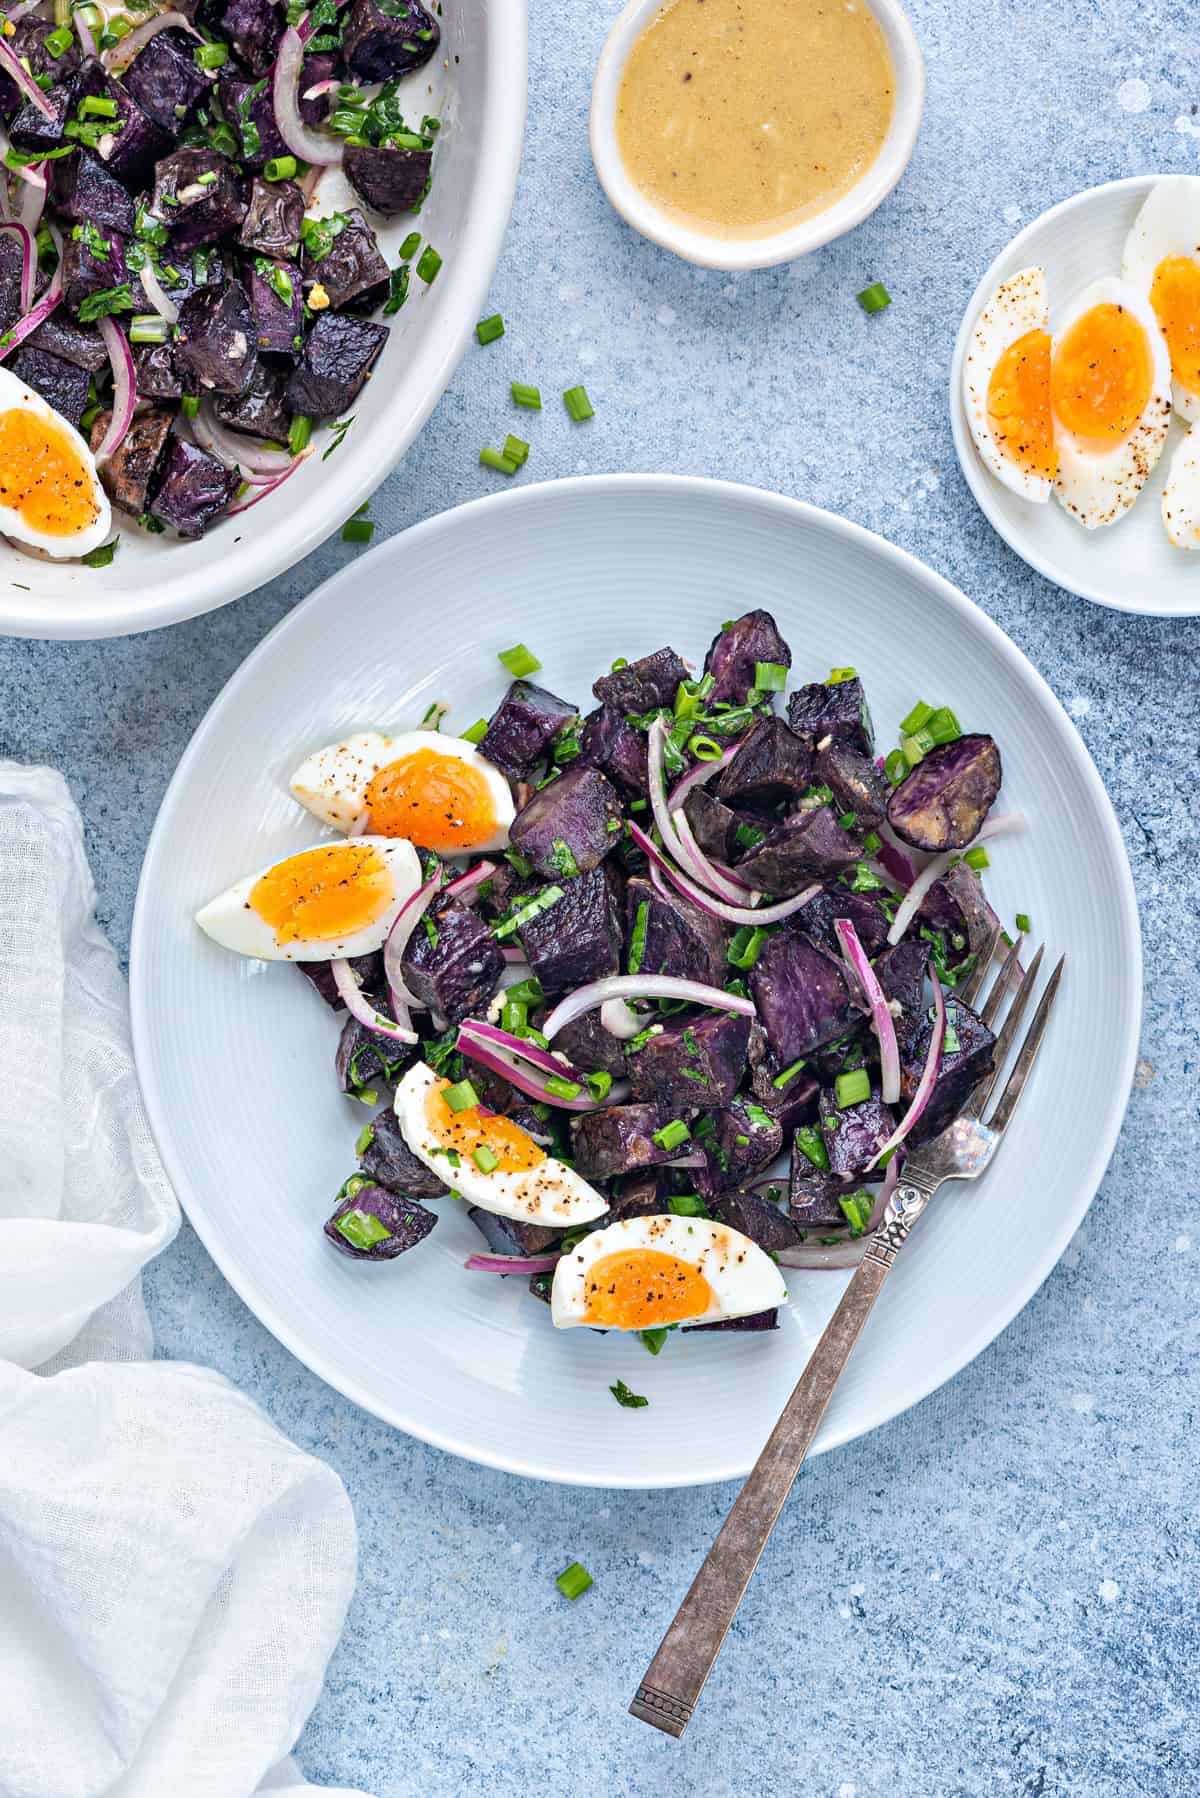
<point>671,1689</point>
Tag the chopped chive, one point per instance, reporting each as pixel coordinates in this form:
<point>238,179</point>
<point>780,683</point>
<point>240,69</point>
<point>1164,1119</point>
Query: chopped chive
<point>687,1204</point>
<point>599,1084</point>
<point>705,749</point>
<point>524,395</point>
<point>493,459</point>
<point>1023,923</point>
<point>633,1401</point>
<point>578,404</point>
<point>787,1074</point>
<point>875,297</point>
<point>857,1207</point>
<point>477,732</point>
<point>872,842</point>
<point>362,1229</point>
<point>770,677</point>
<point>211,56</point>
<point>358,530</point>
<point>429,264</point>
<point>942,726</point>
<point>299,433</point>
<point>59,42</point>
<point>410,246</point>
<point>519,661</point>
<point>672,1134</point>
<point>461,1096</point>
<point>653,1339</point>
<point>545,899</point>
<point>528,991</point>
<point>489,329</point>
<point>364,1139</point>
<point>97,108</point>
<point>516,449</point>
<point>810,1142</point>
<point>562,1089</point>
<point>920,714</point>
<point>484,1159</point>
<point>189,405</point>
<point>852,1088</point>
<point>148,327</point>
<point>895,766</point>
<point>280,168</point>
<point>977,858</point>
<point>745,946</point>
<point>102,556</point>
<point>911,750</point>
<point>573,1581</point>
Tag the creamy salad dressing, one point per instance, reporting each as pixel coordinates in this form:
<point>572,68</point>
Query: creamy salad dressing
<point>746,116</point>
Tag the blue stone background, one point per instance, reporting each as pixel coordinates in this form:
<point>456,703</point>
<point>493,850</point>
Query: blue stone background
<point>997,1593</point>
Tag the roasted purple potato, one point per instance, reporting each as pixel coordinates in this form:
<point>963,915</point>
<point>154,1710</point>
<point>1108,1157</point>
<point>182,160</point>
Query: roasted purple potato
<point>698,1061</point>
<point>452,962</point>
<point>522,728</point>
<point>802,995</point>
<point>943,803</point>
<point>771,767</point>
<point>809,845</point>
<point>371,1224</point>
<point>855,782</point>
<point>744,1139</point>
<point>669,935</point>
<point>644,685</point>
<point>735,652</point>
<point>385,1157</point>
<point>961,1067</point>
<point>829,712</point>
<point>611,744</point>
<point>854,1134</point>
<point>580,938</point>
<point>569,827</point>
<point>510,1236</point>
<point>618,1139</point>
<point>756,1218</point>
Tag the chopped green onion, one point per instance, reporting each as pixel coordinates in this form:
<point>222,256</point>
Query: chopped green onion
<point>911,750</point>
<point>362,1229</point>
<point>848,820</point>
<point>516,449</point>
<point>787,1074</point>
<point>519,661</point>
<point>838,675</point>
<point>542,902</point>
<point>520,864</point>
<point>599,1084</point>
<point>410,246</point>
<point>101,556</point>
<point>489,329</point>
<point>562,1089</point>
<point>477,732</point>
<point>429,264</point>
<point>358,530</point>
<point>299,433</point>
<point>494,459</point>
<point>633,1401</point>
<point>280,168</point>
<point>93,107</point>
<point>148,327</point>
<point>365,1138</point>
<point>562,858</point>
<point>687,1204</point>
<point>770,677</point>
<point>745,946</point>
<point>810,1142</point>
<point>189,405</point>
<point>653,1339</point>
<point>461,1096</point>
<point>895,766</point>
<point>875,297</point>
<point>942,726</point>
<point>528,991</point>
<point>529,397</point>
<point>578,404</point>
<point>977,858</point>
<point>484,1159</point>
<point>920,714</point>
<point>1023,923</point>
<point>211,56</point>
<point>857,1207</point>
<point>852,1088</point>
<point>573,1581</point>
<point>872,842</point>
<point>672,1134</point>
<point>705,749</point>
<point>59,42</point>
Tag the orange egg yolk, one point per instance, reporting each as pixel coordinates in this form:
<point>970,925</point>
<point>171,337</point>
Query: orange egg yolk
<point>435,800</point>
<point>43,476</point>
<point>495,1144</point>
<point>1101,375</point>
<point>324,894</point>
<point>634,1289</point>
<point>1175,297</point>
<point>1018,403</point>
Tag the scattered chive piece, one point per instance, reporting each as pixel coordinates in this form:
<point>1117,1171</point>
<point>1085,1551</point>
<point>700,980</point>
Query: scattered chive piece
<point>524,395</point>
<point>787,1074</point>
<point>410,246</point>
<point>59,42</point>
<point>189,405</point>
<point>875,297</point>
<point>599,1084</point>
<point>488,329</point>
<point>362,1229</point>
<point>745,946</point>
<point>95,108</point>
<point>687,1204</point>
<point>101,557</point>
<point>358,530</point>
<point>477,732</point>
<point>573,1581</point>
<point>578,404</point>
<point>852,1088</point>
<point>977,858</point>
<point>494,459</point>
<point>516,449</point>
<point>461,1096</point>
<point>429,264</point>
<point>633,1401</point>
<point>942,726</point>
<point>280,168</point>
<point>895,766</point>
<point>705,749</point>
<point>857,1207</point>
<point>211,56</point>
<point>299,433</point>
<point>562,1089</point>
<point>484,1160</point>
<point>652,1339</point>
<point>1023,923</point>
<point>519,661</point>
<point>770,677</point>
<point>672,1134</point>
<point>810,1142</point>
<point>872,841</point>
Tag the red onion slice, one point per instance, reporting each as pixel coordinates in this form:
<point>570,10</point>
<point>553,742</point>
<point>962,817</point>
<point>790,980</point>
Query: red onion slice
<point>124,393</point>
<point>932,872</point>
<point>716,908</point>
<point>13,66</point>
<point>929,1074</point>
<point>161,301</point>
<point>233,451</point>
<point>405,923</point>
<point>676,832</point>
<point>24,327</point>
<point>463,888</point>
<point>244,505</point>
<point>31,201</point>
<point>641,986</point>
<point>698,776</point>
<point>316,147</point>
<point>24,237</point>
<point>360,1007</point>
<point>513,1059</point>
<point>717,877</point>
<point>881,1017</point>
<point>619,1018</point>
<point>318,88</point>
<point>522,1047</point>
<point>891,1181</point>
<point>122,54</point>
<point>511,1264</point>
<point>894,857</point>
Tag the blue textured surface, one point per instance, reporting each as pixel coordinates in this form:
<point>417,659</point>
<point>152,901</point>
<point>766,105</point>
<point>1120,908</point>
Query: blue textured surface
<point>997,1594</point>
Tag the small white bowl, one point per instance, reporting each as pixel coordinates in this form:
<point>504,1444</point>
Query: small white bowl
<point>711,251</point>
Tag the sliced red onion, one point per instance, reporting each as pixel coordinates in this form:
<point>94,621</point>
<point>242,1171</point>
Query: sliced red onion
<point>676,832</point>
<point>716,908</point>
<point>15,14</point>
<point>510,1264</point>
<point>405,923</point>
<point>522,1047</point>
<point>317,147</point>
<point>464,886</point>
<point>929,1074</point>
<point>895,858</point>
<point>31,202</point>
<point>527,1067</point>
<point>641,986</point>
<point>698,776</point>
<point>619,1018</point>
<point>122,54</point>
<point>694,1159</point>
<point>161,301</point>
<point>932,872</point>
<point>87,42</point>
<point>13,66</point>
<point>233,451</point>
<point>319,88</point>
<point>513,956</point>
<point>881,1017</point>
<point>360,1007</point>
<point>891,1180</point>
<point>717,877</point>
<point>309,182</point>
<point>124,393</point>
<point>244,505</point>
<point>830,1257</point>
<point>24,237</point>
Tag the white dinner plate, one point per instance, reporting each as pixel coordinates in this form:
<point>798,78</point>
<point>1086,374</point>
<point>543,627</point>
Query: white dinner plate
<point>236,1056</point>
<point>1131,565</point>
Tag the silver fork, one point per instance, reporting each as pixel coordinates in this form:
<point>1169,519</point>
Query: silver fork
<point>674,1680</point>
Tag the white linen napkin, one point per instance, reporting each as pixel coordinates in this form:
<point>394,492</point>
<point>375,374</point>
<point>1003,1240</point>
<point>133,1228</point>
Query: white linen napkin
<point>174,1574</point>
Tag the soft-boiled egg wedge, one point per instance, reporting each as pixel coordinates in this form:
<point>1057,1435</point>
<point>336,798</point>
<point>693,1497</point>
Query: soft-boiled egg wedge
<point>339,899</point>
<point>50,493</point>
<point>1181,495</point>
<point>1162,262</point>
<point>487,1158</point>
<point>1110,392</point>
<point>437,791</point>
<point>1006,386</point>
<point>643,1272</point>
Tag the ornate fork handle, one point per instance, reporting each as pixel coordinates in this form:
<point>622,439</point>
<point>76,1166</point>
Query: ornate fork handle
<point>675,1677</point>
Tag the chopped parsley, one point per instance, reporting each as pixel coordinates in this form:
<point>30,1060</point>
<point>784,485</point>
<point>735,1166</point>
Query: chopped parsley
<point>632,1401</point>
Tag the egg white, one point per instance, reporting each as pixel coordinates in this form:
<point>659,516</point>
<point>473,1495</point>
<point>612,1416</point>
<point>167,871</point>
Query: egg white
<point>1167,225</point>
<point>14,395</point>
<point>331,783</point>
<point>743,1278</point>
<point>1096,483</point>
<point>1018,305</point>
<point>229,920</point>
<point>1181,495</point>
<point>550,1193</point>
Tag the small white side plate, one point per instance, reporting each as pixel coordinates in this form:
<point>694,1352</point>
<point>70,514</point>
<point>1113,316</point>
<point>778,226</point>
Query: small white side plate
<point>1132,565</point>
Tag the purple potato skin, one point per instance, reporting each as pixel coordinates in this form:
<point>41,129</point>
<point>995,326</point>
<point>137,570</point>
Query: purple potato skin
<point>351,266</point>
<point>258,412</point>
<point>405,1221</point>
<point>456,975</point>
<point>692,1062</point>
<point>250,104</point>
<point>856,783</point>
<point>576,809</point>
<point>755,1217</point>
<point>322,66</point>
<point>637,1195</point>
<point>165,81</point>
<point>194,489</point>
<point>616,748</point>
<point>62,336</point>
<point>644,685</point>
<point>63,385</point>
<point>802,996</point>
<point>84,272</point>
<point>854,1134</point>
<point>386,177</point>
<point>959,1071</point>
<point>522,728</point>
<point>792,1103</point>
<point>746,1138</point>
<point>156,372</point>
<point>956,906</point>
<point>619,1139</point>
<point>389,1162</point>
<point>367,970</point>
<point>712,822</point>
<point>901,974</point>
<point>30,129</point>
<point>254,27</point>
<point>278,323</point>
<point>509,1236</point>
<point>755,1324</point>
<point>364,1057</point>
<point>733,653</point>
<point>139,144</point>
<point>589,1046</point>
<point>377,45</point>
<point>215,343</point>
<point>579,939</point>
<point>680,939</point>
<point>82,189</point>
<point>771,767</point>
<point>337,358</point>
<point>810,845</point>
<point>942,804</point>
<point>814,1195</point>
<point>833,712</point>
<point>130,472</point>
<point>869,921</point>
<point>273,218</point>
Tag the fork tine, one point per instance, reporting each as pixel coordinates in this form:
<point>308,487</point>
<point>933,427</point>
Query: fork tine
<point>1006,1037</point>
<point>968,989</point>
<point>1029,1048</point>
<point>1009,970</point>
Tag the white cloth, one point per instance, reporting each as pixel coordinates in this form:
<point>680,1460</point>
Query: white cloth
<point>174,1574</point>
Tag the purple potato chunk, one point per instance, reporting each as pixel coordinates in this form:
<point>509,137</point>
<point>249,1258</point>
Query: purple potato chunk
<point>452,962</point>
<point>788,1093</point>
<point>589,1046</point>
<point>367,970</point>
<point>617,1139</point>
<point>637,1195</point>
<point>570,825</point>
<point>901,974</point>
<point>371,1224</point>
<point>607,742</point>
<point>63,336</point>
<point>855,782</point>
<point>735,651</point>
<point>744,1140</point>
<point>136,143</point>
<point>522,728</point>
<point>961,1068</point>
<point>214,341</point>
<point>942,804</point>
<point>509,1236</point>
<point>259,412</point>
<point>802,995</point>
<point>254,27</point>
<point>387,1160</point>
<point>867,916</point>
<point>698,1061</point>
<point>61,384</point>
<point>670,935</point>
<point>130,473</point>
<point>829,712</point>
<point>713,823</point>
<point>854,1134</point>
<point>250,113</point>
<point>30,129</point>
<point>165,81</point>
<point>378,45</point>
<point>28,42</point>
<point>644,685</point>
<point>337,358</point>
<point>771,767</point>
<point>351,266</point>
<point>276,308</point>
<point>199,193</point>
<point>754,1324</point>
<point>320,67</point>
<point>83,190</point>
<point>193,490</point>
<point>966,909</point>
<point>387,177</point>
<point>156,371</point>
<point>814,1195</point>
<point>580,938</point>
<point>92,262</point>
<point>756,1218</point>
<point>807,846</point>
<point>273,218</point>
<point>364,1057</point>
